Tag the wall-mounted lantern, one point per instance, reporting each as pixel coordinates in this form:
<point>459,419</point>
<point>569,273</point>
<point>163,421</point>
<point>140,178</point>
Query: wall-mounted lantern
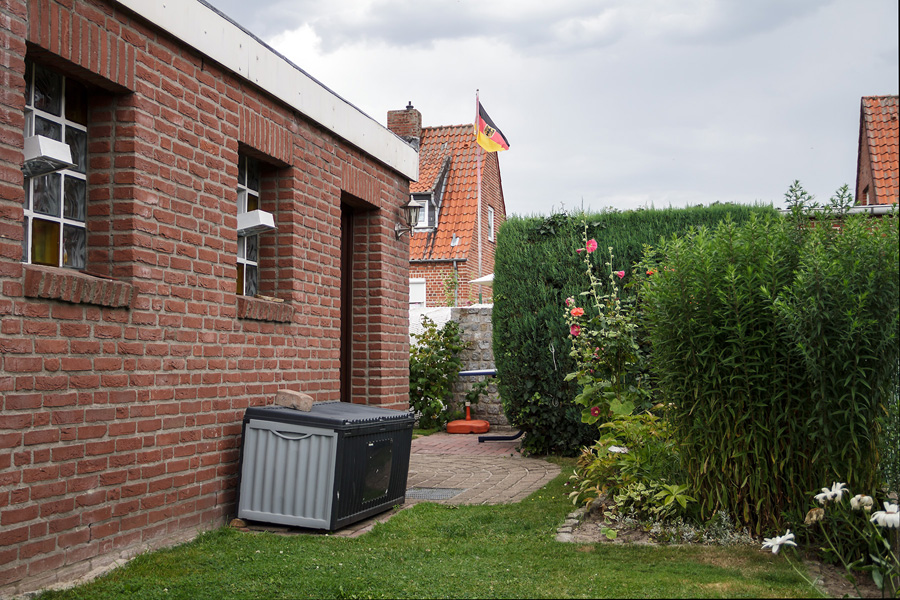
<point>410,217</point>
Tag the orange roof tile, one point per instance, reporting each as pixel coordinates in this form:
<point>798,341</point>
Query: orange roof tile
<point>879,118</point>
<point>459,204</point>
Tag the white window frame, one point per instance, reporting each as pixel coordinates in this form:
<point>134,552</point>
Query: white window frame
<point>490,223</point>
<point>417,291</point>
<point>59,178</point>
<point>245,194</point>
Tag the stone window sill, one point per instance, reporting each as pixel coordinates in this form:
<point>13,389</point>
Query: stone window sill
<point>259,309</point>
<point>54,283</point>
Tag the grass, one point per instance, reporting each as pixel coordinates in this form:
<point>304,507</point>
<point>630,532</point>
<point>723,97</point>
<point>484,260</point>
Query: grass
<point>440,551</point>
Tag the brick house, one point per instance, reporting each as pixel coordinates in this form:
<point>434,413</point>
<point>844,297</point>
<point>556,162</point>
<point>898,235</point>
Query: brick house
<point>877,169</point>
<point>222,227</point>
<point>456,235</point>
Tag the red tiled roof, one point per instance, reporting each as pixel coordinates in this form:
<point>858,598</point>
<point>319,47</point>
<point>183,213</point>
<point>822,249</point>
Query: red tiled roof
<point>879,118</point>
<point>459,205</point>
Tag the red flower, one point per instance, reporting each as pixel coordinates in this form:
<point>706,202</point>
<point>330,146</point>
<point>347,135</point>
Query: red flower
<point>650,272</point>
<point>621,274</point>
<point>577,311</point>
<point>591,246</point>
<point>575,330</point>
<point>595,411</point>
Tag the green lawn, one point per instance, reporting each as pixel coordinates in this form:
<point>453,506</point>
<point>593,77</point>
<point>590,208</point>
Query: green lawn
<point>437,551</point>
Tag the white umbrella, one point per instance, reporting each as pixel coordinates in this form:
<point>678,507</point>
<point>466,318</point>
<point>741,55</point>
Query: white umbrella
<point>486,280</point>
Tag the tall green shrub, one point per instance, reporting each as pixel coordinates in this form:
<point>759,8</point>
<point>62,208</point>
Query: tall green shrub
<point>536,268</point>
<point>775,341</point>
<point>434,365</point>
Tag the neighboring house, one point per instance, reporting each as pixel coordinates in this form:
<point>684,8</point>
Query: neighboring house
<point>877,163</point>
<point>223,228</point>
<point>455,239</point>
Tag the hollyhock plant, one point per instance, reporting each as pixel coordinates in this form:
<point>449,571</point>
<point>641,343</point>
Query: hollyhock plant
<point>610,362</point>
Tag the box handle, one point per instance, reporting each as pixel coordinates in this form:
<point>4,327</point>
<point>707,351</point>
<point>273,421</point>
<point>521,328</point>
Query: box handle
<point>292,439</point>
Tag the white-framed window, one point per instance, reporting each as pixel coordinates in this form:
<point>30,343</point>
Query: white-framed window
<point>490,223</point>
<point>56,203</point>
<point>429,212</point>
<point>248,245</point>
<point>417,291</point>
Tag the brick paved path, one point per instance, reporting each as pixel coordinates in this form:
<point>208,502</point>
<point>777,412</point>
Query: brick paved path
<point>486,472</point>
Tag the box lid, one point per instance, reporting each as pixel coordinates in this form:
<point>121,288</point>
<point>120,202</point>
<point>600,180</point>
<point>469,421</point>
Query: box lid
<point>330,414</point>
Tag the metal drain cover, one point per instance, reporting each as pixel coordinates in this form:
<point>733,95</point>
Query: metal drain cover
<point>432,493</point>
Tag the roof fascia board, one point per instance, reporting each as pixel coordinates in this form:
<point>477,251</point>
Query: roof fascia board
<point>213,35</point>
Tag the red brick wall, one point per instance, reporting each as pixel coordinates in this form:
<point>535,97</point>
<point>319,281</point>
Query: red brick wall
<point>122,398</point>
<point>436,275</point>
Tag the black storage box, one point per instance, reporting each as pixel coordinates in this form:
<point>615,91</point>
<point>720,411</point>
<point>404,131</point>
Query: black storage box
<point>335,465</point>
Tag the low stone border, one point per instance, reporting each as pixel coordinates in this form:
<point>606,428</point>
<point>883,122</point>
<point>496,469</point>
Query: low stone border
<point>573,519</point>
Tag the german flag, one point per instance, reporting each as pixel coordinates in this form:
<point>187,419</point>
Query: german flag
<point>487,134</point>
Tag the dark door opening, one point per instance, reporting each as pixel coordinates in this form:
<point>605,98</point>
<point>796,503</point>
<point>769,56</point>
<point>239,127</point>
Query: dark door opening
<point>346,356</point>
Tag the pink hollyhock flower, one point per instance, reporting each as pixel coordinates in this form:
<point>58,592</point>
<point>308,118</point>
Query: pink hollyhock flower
<point>580,250</point>
<point>621,274</point>
<point>569,301</point>
<point>591,246</point>
<point>595,411</point>
<point>575,330</point>
<point>577,311</point>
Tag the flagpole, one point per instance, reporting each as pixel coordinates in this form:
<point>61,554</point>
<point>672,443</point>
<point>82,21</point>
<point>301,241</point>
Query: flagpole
<point>479,151</point>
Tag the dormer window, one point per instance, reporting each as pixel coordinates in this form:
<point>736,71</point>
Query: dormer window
<point>428,216</point>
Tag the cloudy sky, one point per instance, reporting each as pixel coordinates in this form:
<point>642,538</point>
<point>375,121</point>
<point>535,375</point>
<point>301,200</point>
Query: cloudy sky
<point>613,103</point>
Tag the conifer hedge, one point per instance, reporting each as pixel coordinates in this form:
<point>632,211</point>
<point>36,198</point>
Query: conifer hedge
<point>536,268</point>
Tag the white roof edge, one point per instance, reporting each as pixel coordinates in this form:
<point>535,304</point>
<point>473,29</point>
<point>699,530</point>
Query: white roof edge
<point>873,209</point>
<point>212,34</point>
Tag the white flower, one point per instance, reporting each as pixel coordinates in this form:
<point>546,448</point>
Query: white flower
<point>618,450</point>
<point>832,495</point>
<point>889,517</point>
<point>838,490</point>
<point>860,502</point>
<point>777,542</point>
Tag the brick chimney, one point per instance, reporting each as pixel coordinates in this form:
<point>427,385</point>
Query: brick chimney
<point>407,124</point>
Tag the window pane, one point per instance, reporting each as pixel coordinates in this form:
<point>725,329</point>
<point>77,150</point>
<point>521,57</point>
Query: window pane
<point>29,69</point>
<point>242,201</point>
<point>74,247</point>
<point>253,174</point>
<point>45,242</point>
<point>240,280</point>
<point>47,91</point>
<point>252,242</point>
<point>73,198</point>
<point>77,141</point>
<point>242,252</point>
<point>76,102</point>
<point>250,274</point>
<point>47,128</point>
<point>242,170</point>
<point>46,194</point>
<point>25,239</point>
<point>252,202</point>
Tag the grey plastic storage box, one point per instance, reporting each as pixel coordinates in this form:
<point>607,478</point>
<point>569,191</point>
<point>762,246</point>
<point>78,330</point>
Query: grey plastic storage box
<point>335,465</point>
